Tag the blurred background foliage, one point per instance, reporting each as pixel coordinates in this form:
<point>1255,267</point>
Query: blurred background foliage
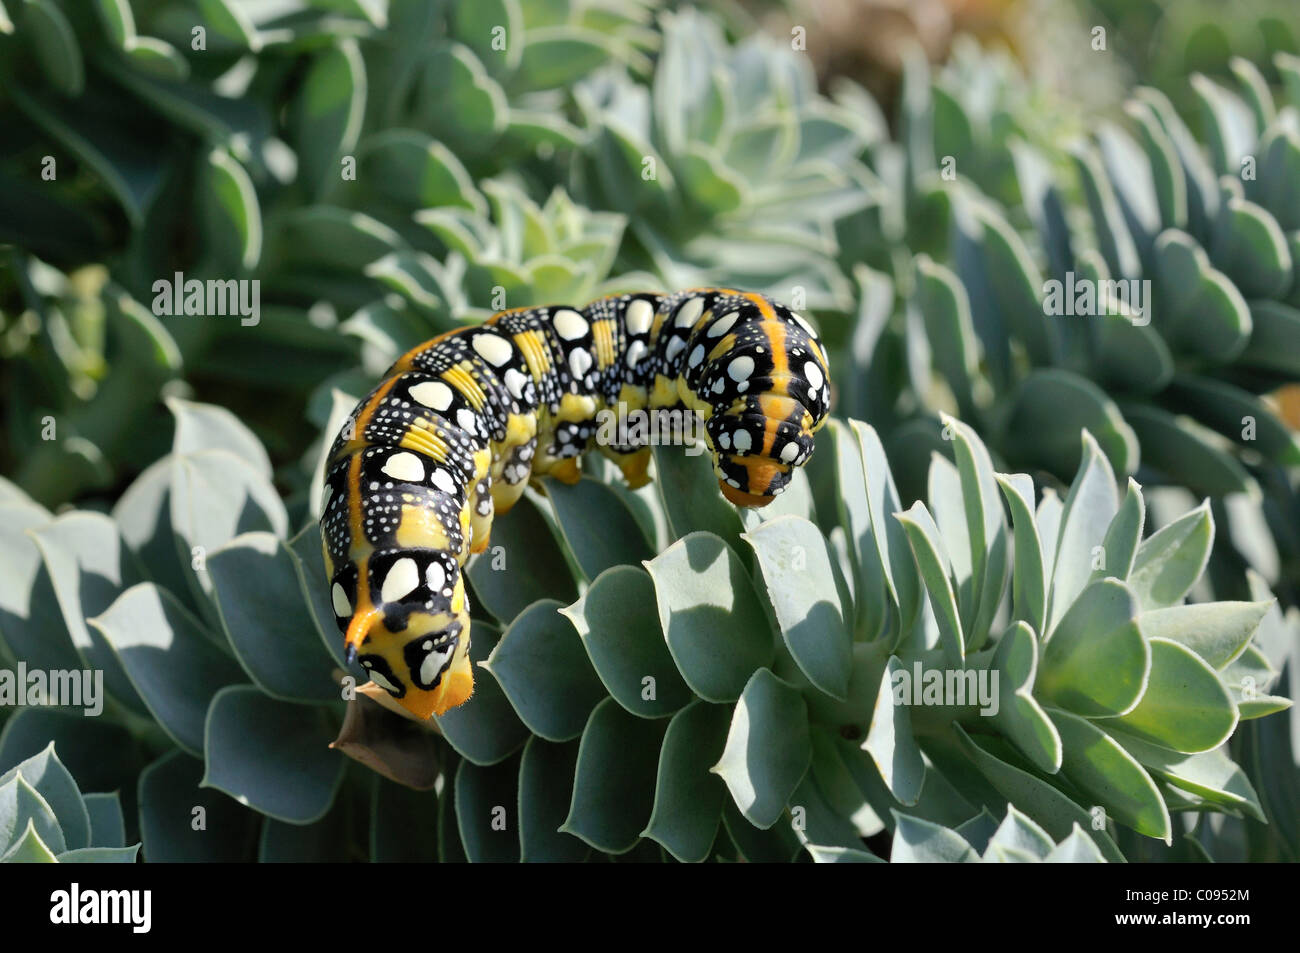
<point>389,169</point>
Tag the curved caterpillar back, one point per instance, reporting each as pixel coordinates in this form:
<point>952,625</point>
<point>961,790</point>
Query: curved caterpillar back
<point>460,424</point>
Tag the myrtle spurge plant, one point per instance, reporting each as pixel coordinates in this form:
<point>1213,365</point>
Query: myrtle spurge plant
<point>1019,606</point>
<point>1142,286</point>
<point>800,679</point>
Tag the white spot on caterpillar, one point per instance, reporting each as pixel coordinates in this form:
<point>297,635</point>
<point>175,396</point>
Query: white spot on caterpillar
<point>432,665</point>
<point>723,325</point>
<point>719,385</point>
<point>814,375</point>
<point>402,578</point>
<point>342,607</point>
<point>569,324</point>
<point>689,313</point>
<point>640,315</point>
<point>465,417</point>
<point>635,351</point>
<point>697,355</point>
<point>496,351</point>
<point>433,394</point>
<point>515,383</point>
<point>724,441</point>
<point>443,481</point>
<point>405,467</point>
<point>675,347</point>
<point>380,680</point>
<point>743,441</point>
<point>740,368</point>
<point>579,362</point>
<point>799,319</point>
<point>789,452</point>
<point>435,576</point>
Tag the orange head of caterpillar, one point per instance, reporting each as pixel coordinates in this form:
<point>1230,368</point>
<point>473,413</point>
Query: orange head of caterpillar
<point>408,626</point>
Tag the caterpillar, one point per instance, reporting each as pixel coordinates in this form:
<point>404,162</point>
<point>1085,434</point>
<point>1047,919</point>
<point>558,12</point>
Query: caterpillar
<point>460,424</point>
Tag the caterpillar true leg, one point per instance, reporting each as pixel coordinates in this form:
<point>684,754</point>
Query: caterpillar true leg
<point>459,426</point>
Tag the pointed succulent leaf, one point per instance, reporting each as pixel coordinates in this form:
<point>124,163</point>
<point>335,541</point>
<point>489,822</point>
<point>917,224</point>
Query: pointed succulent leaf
<point>1019,716</point>
<point>979,830</point>
<point>172,660</point>
<point>23,807</point>
<point>1089,509</point>
<point>716,631</point>
<point>613,788</point>
<point>544,672</point>
<point>1096,662</point>
<point>628,653</point>
<point>1169,562</point>
<point>1249,678</point>
<point>1185,706</point>
<point>688,797</point>
<point>48,776</point>
<point>1216,631</point>
<point>29,848</point>
<point>933,563</point>
<point>986,528</point>
<point>268,624</point>
<point>1029,573</point>
<point>795,564</point>
<point>890,537</point>
<point>918,841</point>
<point>853,507</point>
<point>1212,775</point>
<point>107,825</point>
<point>768,749</point>
<point>485,730</point>
<point>487,811</point>
<point>890,740</point>
<point>546,774</point>
<point>1075,849</point>
<point>1018,832</point>
<point>1103,770</point>
<point>290,773</point>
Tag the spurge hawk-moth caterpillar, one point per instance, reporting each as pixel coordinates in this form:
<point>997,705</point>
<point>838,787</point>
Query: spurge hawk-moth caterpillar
<point>457,427</point>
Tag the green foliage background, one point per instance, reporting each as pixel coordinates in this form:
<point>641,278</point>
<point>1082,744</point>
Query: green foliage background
<point>386,171</point>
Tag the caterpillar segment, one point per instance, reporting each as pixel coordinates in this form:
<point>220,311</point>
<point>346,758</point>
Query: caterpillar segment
<point>461,424</point>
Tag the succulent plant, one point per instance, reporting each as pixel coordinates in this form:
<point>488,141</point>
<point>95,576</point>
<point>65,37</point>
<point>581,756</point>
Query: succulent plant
<point>985,323</point>
<point>1163,41</point>
<point>44,817</point>
<point>1017,840</point>
<point>661,675</point>
<point>291,144</point>
<point>84,365</point>
<point>730,165</point>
